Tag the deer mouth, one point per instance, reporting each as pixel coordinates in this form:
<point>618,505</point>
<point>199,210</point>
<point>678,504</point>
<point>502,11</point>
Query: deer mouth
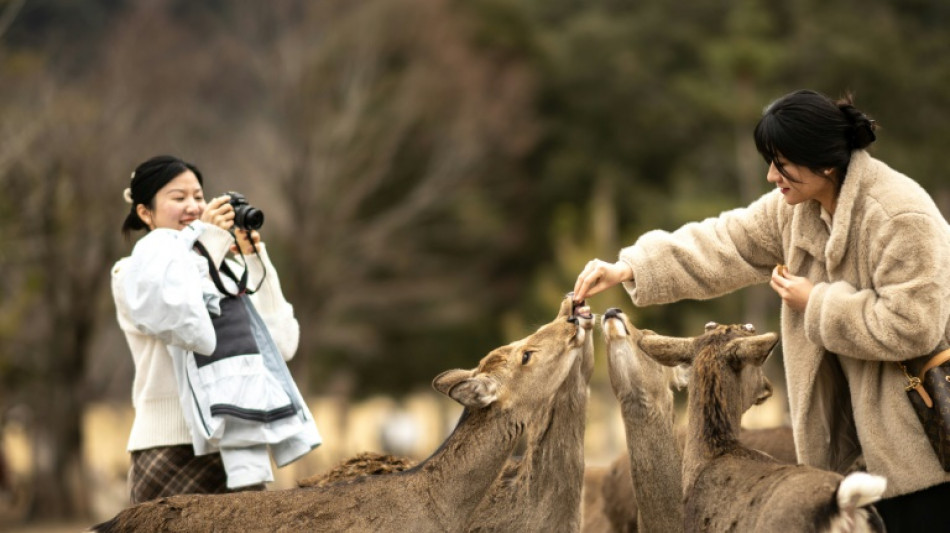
<point>581,310</point>
<point>613,324</point>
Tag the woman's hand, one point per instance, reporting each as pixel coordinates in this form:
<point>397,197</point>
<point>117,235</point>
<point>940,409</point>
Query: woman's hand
<point>248,240</point>
<point>793,290</point>
<point>600,275</point>
<point>219,212</point>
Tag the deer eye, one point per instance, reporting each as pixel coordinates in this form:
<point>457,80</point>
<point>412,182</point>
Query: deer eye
<point>711,325</point>
<point>526,356</point>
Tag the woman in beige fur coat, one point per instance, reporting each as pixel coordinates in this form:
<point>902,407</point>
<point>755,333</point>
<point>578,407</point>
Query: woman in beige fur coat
<point>866,283</point>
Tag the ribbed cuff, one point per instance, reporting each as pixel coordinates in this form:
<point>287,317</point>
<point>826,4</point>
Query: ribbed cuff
<point>217,241</point>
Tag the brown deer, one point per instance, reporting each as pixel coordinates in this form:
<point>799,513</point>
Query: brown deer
<point>610,505</point>
<point>542,491</point>
<point>643,389</point>
<point>502,397</point>
<point>729,487</point>
<point>645,484</point>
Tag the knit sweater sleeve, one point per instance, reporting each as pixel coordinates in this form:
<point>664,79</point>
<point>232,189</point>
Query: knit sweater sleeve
<point>275,310</point>
<point>161,285</point>
<point>703,260</point>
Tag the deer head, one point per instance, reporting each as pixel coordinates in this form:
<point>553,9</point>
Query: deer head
<point>629,373</point>
<point>524,374</point>
<point>735,345</point>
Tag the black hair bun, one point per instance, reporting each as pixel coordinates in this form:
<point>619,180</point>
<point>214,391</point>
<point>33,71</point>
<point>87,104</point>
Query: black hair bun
<point>862,127</point>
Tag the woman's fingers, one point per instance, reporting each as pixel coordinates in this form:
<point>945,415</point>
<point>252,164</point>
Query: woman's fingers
<point>219,212</point>
<point>597,276</point>
<point>247,244</point>
<point>794,290</point>
<point>778,282</point>
<point>584,281</point>
<point>219,201</point>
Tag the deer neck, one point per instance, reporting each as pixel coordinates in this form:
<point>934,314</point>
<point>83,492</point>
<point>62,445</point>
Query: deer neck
<point>461,471</point>
<point>714,415</point>
<point>556,450</point>
<point>656,461</point>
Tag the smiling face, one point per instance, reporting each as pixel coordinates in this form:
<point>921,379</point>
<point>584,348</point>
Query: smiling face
<point>179,203</point>
<point>799,184</point>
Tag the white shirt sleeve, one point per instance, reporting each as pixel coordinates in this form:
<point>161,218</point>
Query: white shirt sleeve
<point>163,289</point>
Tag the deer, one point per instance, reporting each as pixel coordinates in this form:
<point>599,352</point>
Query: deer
<point>643,490</point>
<point>643,389</point>
<point>539,491</point>
<point>542,491</point>
<point>501,397</point>
<point>730,487</point>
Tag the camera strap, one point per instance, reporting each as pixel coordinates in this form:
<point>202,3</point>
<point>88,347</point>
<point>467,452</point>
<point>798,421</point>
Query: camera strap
<point>244,259</point>
<point>215,276</point>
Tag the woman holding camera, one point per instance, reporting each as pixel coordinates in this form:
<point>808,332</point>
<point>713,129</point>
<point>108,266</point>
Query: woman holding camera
<point>163,293</point>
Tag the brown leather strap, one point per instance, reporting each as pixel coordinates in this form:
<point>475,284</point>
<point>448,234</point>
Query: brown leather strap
<point>915,383</point>
<point>917,386</point>
<point>934,362</point>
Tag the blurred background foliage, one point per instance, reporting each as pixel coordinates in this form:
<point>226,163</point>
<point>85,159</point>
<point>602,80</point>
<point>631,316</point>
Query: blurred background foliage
<point>434,173</point>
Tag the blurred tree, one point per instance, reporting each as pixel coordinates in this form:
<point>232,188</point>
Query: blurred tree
<point>59,250</point>
<point>621,91</point>
<point>76,135</point>
<point>392,138</point>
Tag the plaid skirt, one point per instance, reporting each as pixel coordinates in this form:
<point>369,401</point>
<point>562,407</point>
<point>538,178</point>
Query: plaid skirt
<point>171,470</point>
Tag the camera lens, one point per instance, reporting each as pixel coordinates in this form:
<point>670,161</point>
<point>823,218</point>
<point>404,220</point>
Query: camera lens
<point>245,216</point>
<point>248,217</point>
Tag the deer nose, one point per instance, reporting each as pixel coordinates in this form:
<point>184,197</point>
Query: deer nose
<point>613,312</point>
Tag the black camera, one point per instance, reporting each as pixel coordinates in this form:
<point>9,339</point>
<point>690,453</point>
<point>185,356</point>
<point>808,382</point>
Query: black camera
<point>246,216</point>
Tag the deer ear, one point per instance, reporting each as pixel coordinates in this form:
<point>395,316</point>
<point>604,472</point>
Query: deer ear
<point>467,388</point>
<point>448,379</point>
<point>753,350</point>
<point>669,351</point>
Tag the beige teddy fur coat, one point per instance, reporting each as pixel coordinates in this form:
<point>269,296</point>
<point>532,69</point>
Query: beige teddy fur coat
<point>881,294</point>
